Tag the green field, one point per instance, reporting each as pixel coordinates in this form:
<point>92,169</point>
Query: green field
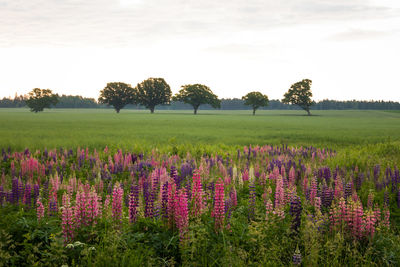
<point>132,129</point>
<point>360,136</point>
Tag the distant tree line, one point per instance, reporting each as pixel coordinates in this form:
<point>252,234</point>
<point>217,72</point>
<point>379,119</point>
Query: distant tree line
<point>71,101</point>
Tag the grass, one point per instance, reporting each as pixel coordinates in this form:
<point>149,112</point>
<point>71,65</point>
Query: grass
<point>137,129</point>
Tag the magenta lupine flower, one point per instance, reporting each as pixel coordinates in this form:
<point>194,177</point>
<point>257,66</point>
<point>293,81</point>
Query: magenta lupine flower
<point>245,175</point>
<point>117,203</point>
<point>279,193</point>
<point>93,210</point>
<point>197,194</point>
<point>317,203</point>
<point>338,193</point>
<point>67,220</point>
<point>219,205</point>
<point>39,210</point>
<point>80,209</point>
<point>181,214</point>
<point>106,207</point>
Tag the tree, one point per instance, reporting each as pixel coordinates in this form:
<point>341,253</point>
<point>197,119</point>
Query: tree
<point>118,95</point>
<point>300,94</point>
<point>196,95</point>
<point>256,100</point>
<point>153,92</point>
<point>39,99</point>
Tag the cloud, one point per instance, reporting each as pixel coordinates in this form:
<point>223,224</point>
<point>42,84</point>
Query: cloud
<point>362,35</point>
<point>125,23</point>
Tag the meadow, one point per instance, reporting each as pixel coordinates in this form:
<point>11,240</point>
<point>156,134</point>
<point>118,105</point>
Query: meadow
<point>97,128</point>
<point>222,188</point>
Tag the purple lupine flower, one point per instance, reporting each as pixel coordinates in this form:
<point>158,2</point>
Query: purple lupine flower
<point>297,257</point>
<point>348,190</point>
<point>27,196</point>
<point>386,198</point>
<point>14,189</point>
<point>149,200</point>
<point>2,194</point>
<point>36,191</point>
<point>133,203</point>
<point>295,210</point>
<point>252,201</point>
<point>398,198</point>
<point>164,200</point>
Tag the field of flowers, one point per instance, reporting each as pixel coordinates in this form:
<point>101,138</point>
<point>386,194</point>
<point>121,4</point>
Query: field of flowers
<point>264,205</point>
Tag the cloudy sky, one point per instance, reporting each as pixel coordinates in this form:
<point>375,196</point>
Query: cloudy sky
<point>350,49</point>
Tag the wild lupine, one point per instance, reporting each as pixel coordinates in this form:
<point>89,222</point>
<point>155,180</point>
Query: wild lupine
<point>313,190</point>
<point>164,200</point>
<point>67,217</point>
<point>269,208</point>
<point>53,207</point>
<point>27,196</point>
<point>117,203</point>
<point>133,203</point>
<point>292,176</point>
<point>171,203</point>
<point>370,199</point>
<point>219,205</point>
<point>252,201</point>
<point>297,257</point>
<point>81,204</point>
<point>386,218</point>
<point>182,215</point>
<point>295,210</point>
<point>39,210</point>
<point>93,210</point>
<point>198,204</point>
<point>279,193</point>
<point>369,223</point>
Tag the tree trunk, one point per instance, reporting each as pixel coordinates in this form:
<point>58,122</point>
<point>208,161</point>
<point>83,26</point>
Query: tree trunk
<point>195,111</point>
<point>117,110</point>
<point>254,111</point>
<point>152,110</point>
<point>308,112</point>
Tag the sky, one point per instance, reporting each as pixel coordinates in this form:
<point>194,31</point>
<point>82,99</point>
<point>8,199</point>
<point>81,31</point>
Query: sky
<point>350,49</point>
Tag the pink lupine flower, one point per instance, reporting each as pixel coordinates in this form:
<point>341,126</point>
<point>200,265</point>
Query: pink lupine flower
<point>269,208</point>
<point>317,203</point>
<point>358,219</point>
<point>245,175</point>
<point>67,219</point>
<point>117,203</point>
<point>181,214</point>
<point>93,210</point>
<point>338,193</point>
<point>292,177</point>
<point>279,193</point>
<point>369,222</point>
<point>233,196</point>
<point>106,207</point>
<point>80,209</point>
<point>386,218</point>
<point>39,210</point>
<point>197,194</point>
<point>219,205</point>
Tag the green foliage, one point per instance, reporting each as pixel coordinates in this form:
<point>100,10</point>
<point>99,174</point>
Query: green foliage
<point>40,99</point>
<point>256,100</point>
<point>153,92</point>
<point>118,95</point>
<point>300,94</point>
<point>196,95</point>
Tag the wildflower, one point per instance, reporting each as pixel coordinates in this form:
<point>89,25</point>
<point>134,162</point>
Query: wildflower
<point>117,203</point>
<point>219,205</point>
<point>39,210</point>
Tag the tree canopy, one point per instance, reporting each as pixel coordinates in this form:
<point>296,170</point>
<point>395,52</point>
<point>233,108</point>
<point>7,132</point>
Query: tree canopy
<point>118,95</point>
<point>153,92</point>
<point>39,99</point>
<point>300,94</point>
<point>196,95</point>
<point>255,100</point>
